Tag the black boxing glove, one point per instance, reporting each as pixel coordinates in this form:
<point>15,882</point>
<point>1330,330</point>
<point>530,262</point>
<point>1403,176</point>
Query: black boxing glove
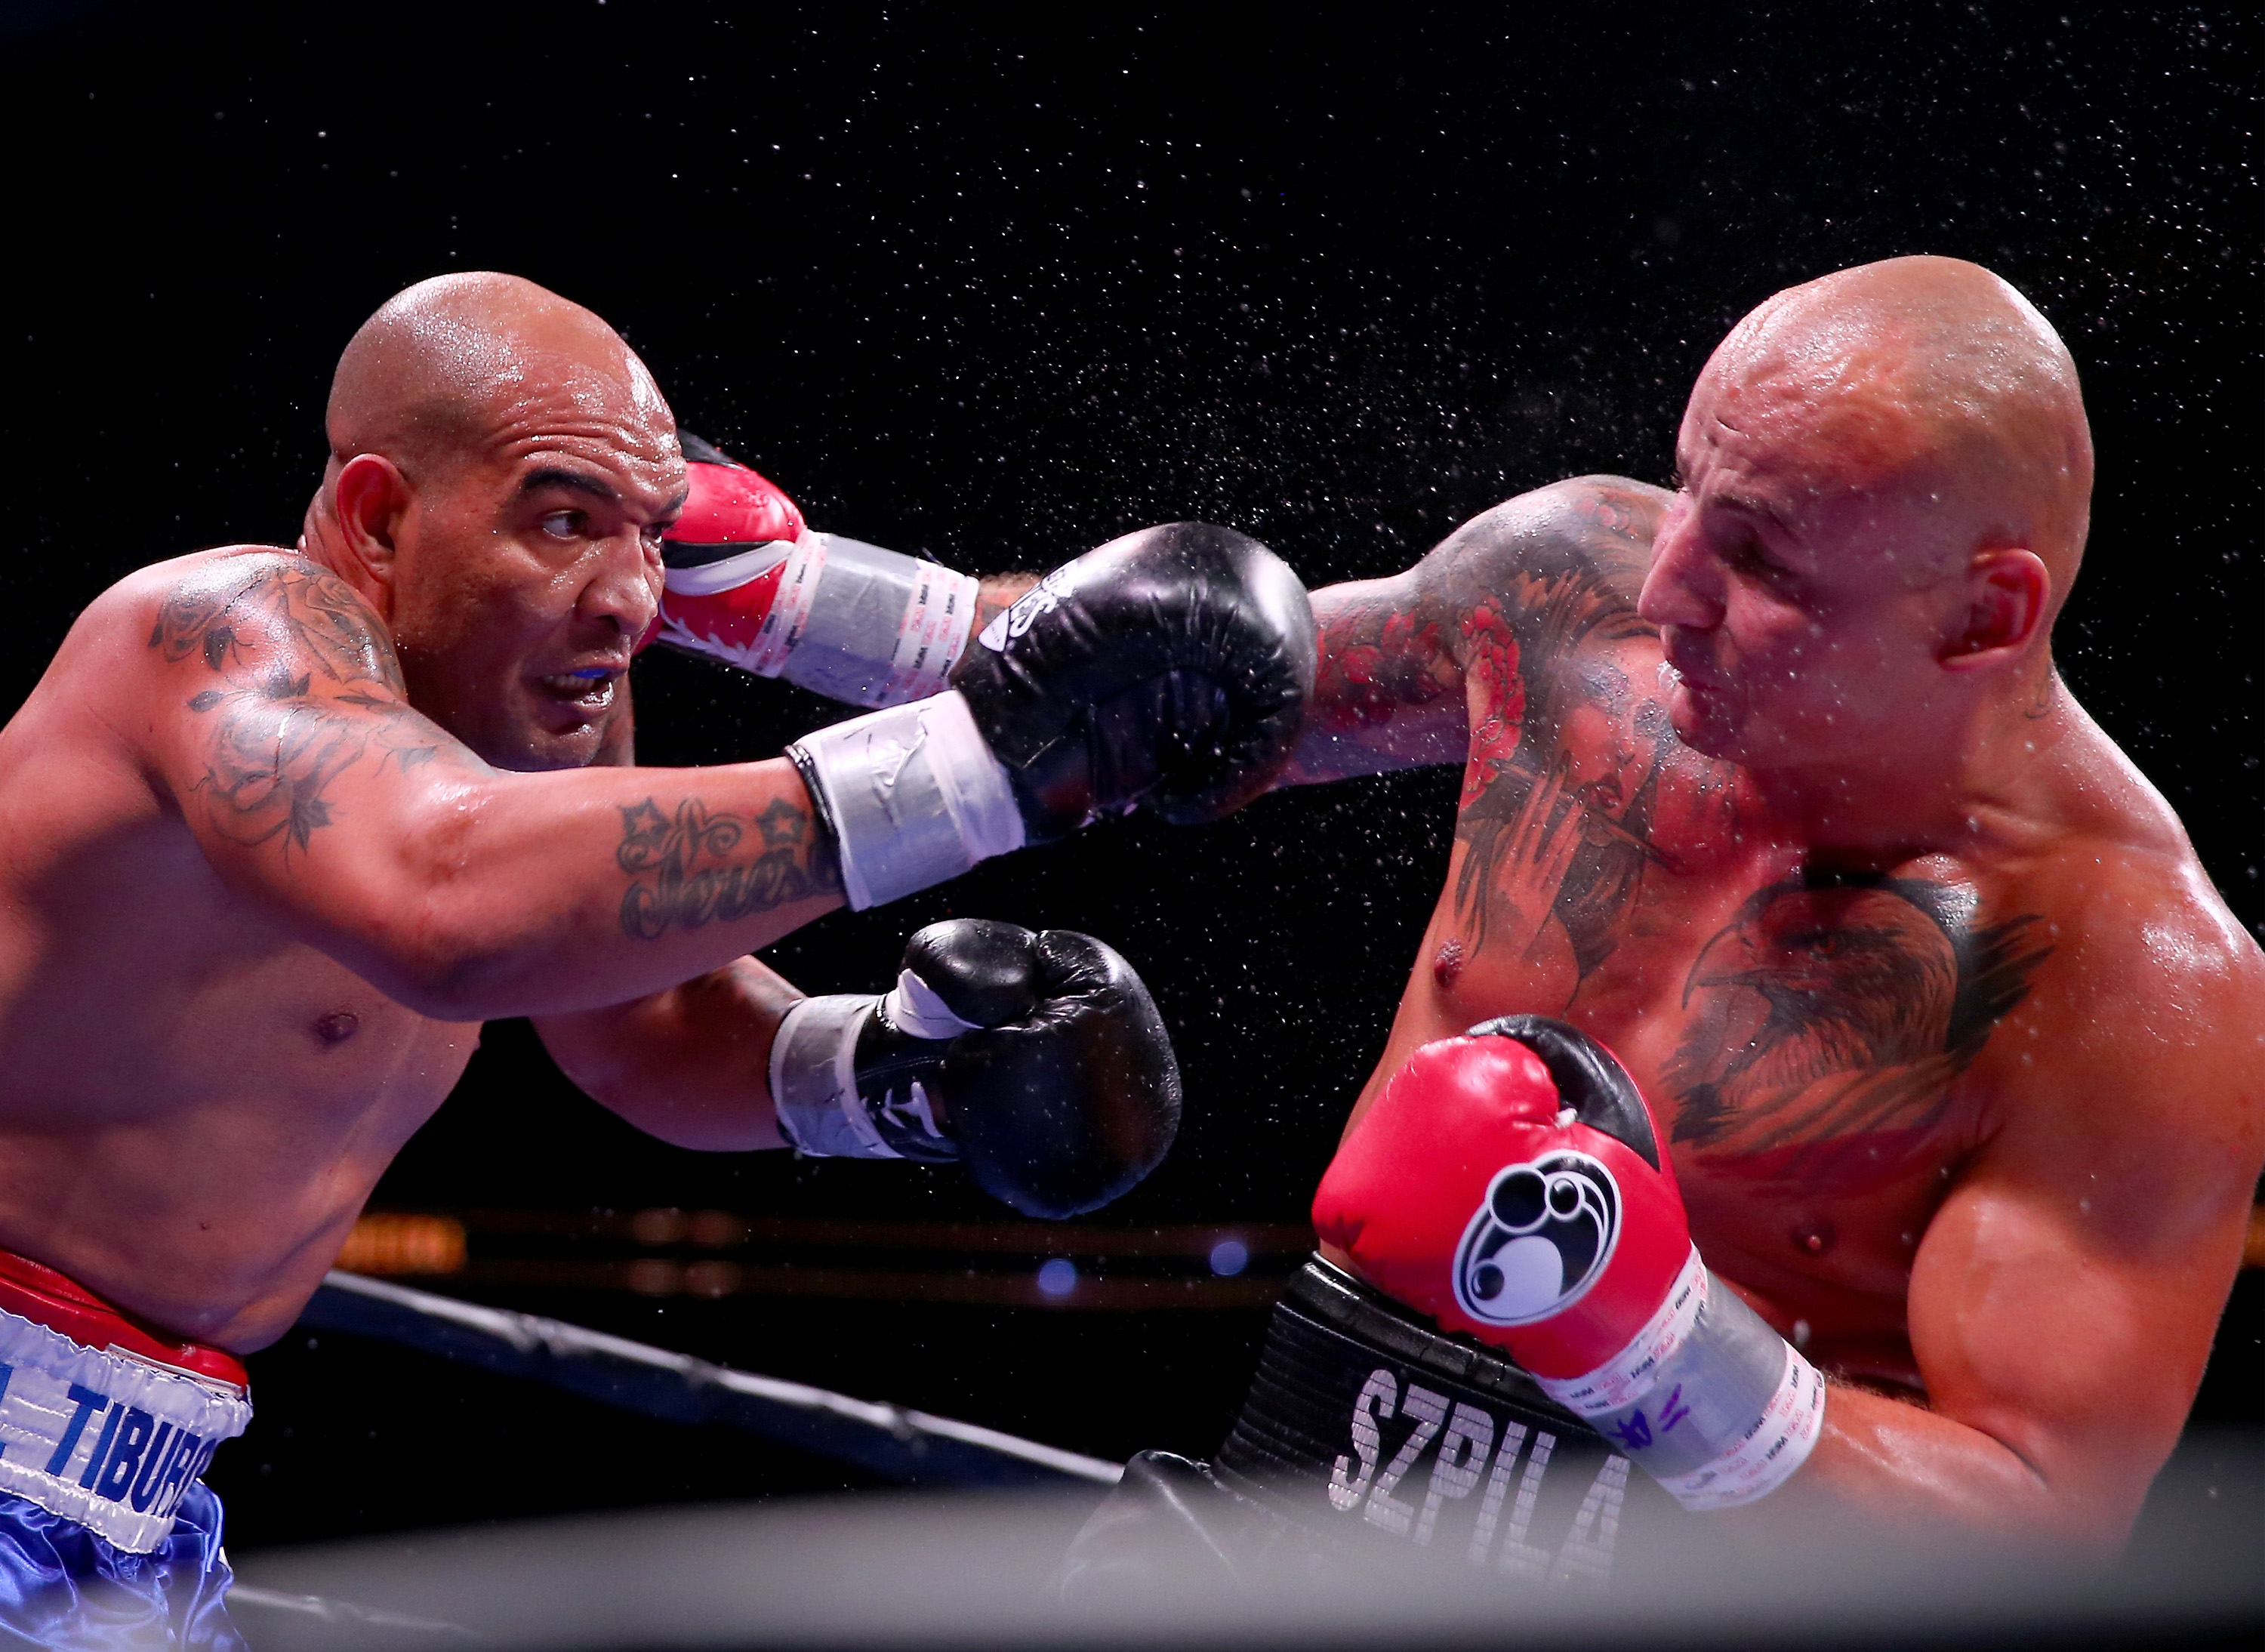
<point>1036,1060</point>
<point>1170,667</point>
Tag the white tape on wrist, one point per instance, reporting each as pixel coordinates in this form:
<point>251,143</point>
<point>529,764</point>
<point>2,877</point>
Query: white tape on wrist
<point>1625,1378</point>
<point>877,627</point>
<point>1706,1398</point>
<point>849,620</point>
<point>914,795</point>
<point>814,1080</point>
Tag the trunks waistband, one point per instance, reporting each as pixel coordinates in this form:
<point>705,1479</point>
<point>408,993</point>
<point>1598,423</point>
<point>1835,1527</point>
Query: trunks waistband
<point>34,1292</point>
<point>1365,1420</point>
<point>102,1421</point>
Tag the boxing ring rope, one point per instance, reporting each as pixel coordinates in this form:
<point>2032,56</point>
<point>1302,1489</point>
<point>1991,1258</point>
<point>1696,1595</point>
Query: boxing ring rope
<point>910,1446</point>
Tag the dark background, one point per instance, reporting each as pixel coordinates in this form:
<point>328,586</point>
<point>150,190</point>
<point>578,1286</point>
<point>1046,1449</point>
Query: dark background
<point>1000,286</point>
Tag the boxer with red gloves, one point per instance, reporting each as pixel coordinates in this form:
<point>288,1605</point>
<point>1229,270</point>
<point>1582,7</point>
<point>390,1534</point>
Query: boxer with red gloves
<point>1510,1185</point>
<point>1770,783</point>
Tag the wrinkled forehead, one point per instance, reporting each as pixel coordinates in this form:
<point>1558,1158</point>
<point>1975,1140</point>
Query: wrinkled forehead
<point>539,400</point>
<point>1829,407</point>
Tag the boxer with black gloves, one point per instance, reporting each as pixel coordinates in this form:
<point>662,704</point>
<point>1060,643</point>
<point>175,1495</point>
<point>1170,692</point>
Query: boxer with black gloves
<point>285,825</point>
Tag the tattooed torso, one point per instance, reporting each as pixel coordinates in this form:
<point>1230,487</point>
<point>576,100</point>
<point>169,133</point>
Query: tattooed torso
<point>157,1020</point>
<point>221,822</point>
<point>1813,1036</point>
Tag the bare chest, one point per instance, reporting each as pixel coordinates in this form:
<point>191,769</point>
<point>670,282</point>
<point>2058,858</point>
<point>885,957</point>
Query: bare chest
<point>1805,1034</point>
<point>140,987</point>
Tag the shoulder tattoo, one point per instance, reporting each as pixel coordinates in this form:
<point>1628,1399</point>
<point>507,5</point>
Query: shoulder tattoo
<point>295,682</point>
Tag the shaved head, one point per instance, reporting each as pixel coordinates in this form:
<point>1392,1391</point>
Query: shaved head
<point>1886,478</point>
<point>440,370</point>
<point>1933,370</point>
<point>501,468</point>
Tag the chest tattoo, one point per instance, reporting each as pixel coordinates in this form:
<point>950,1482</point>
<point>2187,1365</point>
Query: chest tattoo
<point>1827,1021</point>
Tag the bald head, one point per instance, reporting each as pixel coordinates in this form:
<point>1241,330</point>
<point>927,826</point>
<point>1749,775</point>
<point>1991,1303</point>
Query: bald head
<point>447,368</point>
<point>1929,370</point>
<point>502,468</point>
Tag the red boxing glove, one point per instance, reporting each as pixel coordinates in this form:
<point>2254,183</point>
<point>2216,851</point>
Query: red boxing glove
<point>1509,1183</point>
<point>749,583</point>
<point>724,556</point>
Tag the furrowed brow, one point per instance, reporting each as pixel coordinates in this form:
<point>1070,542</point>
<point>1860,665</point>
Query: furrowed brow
<point>1747,505</point>
<point>574,481</point>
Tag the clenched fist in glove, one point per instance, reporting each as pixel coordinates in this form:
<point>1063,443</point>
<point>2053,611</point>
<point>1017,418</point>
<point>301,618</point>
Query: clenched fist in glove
<point>1510,1185</point>
<point>1167,668</point>
<point>1035,1059</point>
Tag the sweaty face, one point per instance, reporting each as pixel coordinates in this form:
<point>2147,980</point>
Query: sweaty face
<point>1797,579</point>
<point>530,568</point>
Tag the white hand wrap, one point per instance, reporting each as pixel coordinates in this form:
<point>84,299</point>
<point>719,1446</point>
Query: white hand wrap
<point>813,1071</point>
<point>913,796</point>
<point>1706,1399</point>
<point>850,620</point>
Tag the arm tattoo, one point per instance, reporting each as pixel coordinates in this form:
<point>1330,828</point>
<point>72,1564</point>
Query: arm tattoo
<point>303,684</point>
<point>1568,755</point>
<point>693,867</point>
<point>1828,1020</point>
<point>1376,657</point>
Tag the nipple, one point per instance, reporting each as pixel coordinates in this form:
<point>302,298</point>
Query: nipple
<point>1447,966</point>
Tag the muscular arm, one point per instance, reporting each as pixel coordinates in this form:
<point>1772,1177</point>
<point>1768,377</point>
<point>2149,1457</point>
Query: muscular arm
<point>1412,664</point>
<point>2063,1301</point>
<point>269,707</point>
<point>690,1064</point>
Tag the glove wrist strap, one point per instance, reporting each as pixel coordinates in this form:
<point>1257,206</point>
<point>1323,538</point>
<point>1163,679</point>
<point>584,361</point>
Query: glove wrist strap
<point>823,1110</point>
<point>1706,1399</point>
<point>914,795</point>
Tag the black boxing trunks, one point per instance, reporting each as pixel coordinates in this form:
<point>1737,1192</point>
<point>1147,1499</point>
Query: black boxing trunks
<point>1364,1424</point>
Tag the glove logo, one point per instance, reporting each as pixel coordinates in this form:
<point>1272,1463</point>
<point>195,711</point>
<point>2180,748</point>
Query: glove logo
<point>1042,598</point>
<point>1539,1241</point>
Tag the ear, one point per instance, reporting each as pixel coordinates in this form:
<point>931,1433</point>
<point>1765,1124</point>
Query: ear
<point>370,502</point>
<point>2007,595</point>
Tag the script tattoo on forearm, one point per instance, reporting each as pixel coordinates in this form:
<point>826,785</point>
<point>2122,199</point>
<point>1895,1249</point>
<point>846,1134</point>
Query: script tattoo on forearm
<point>302,685</point>
<point>690,866</point>
<point>1568,755</point>
<point>1827,1021</point>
